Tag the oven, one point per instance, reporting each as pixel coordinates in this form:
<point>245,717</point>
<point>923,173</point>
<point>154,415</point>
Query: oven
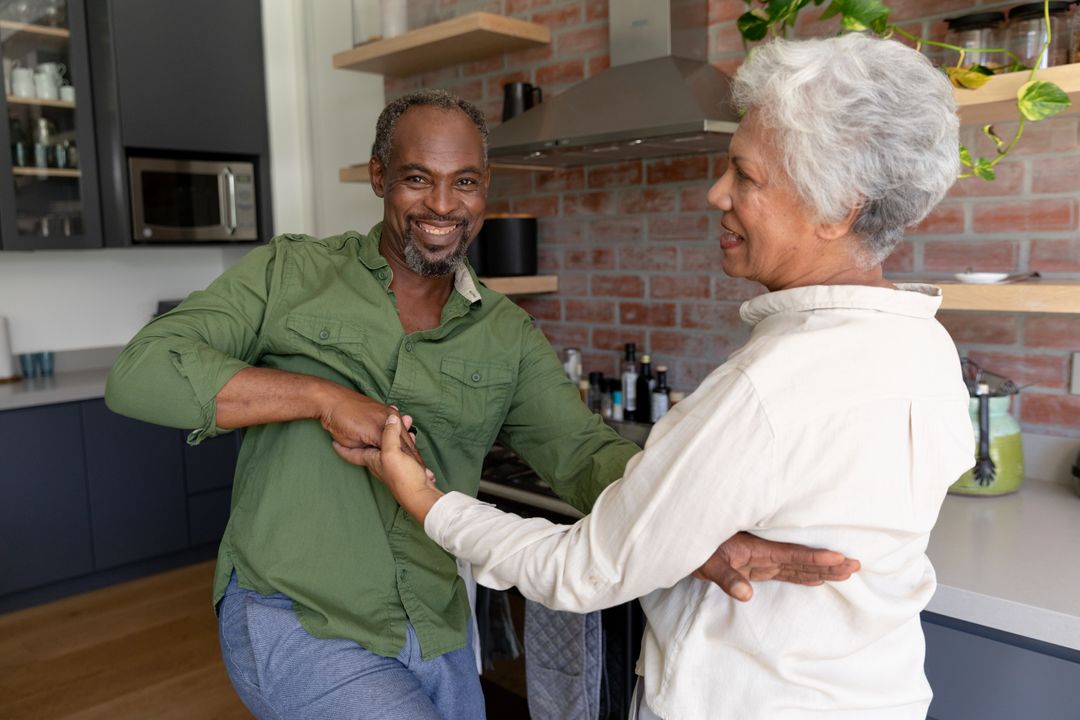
<point>192,200</point>
<point>511,485</point>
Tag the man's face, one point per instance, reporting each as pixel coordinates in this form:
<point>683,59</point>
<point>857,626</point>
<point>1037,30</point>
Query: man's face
<point>434,190</point>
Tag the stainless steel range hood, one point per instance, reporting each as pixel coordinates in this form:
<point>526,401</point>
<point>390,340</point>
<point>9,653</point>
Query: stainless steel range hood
<point>660,97</point>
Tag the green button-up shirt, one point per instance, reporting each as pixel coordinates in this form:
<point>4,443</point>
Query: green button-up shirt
<point>308,524</point>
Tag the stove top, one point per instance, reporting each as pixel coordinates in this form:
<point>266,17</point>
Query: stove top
<point>503,467</point>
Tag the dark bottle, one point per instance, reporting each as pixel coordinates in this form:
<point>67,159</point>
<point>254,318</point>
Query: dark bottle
<point>661,394</point>
<point>645,384</point>
<point>629,382</point>
<point>596,390</point>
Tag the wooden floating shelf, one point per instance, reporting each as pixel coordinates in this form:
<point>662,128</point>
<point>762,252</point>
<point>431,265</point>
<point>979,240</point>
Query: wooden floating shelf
<point>16,100</point>
<point>42,30</point>
<point>996,100</point>
<point>1034,296</point>
<point>524,285</point>
<point>46,172</point>
<point>468,38</point>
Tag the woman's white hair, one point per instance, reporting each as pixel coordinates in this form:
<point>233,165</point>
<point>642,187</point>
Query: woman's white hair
<point>861,123</point>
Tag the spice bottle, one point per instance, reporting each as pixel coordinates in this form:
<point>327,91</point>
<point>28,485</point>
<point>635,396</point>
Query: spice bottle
<point>661,394</point>
<point>629,382</point>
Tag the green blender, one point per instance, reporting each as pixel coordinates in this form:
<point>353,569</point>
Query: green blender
<point>999,452</point>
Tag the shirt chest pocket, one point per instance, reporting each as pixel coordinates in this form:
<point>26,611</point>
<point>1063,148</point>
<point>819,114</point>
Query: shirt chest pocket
<point>473,399</point>
<point>334,343</point>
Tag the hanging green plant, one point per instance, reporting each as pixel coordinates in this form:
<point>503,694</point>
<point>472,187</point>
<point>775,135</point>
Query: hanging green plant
<point>1035,100</point>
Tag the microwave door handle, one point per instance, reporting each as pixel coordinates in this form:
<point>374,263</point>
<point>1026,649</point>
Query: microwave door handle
<point>227,185</point>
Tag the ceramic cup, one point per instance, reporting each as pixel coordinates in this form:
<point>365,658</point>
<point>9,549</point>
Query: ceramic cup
<point>45,86</point>
<point>58,71</point>
<point>22,82</point>
<point>67,93</point>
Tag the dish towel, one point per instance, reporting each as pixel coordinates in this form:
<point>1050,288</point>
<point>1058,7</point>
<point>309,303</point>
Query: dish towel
<point>564,659</point>
<point>495,627</point>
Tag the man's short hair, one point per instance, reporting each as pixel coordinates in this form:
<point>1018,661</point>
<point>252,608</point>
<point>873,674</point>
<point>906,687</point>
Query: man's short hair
<point>388,118</point>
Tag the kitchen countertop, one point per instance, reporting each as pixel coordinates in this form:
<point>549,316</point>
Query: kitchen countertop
<point>1009,562</point>
<point>60,388</point>
<point>1002,562</point>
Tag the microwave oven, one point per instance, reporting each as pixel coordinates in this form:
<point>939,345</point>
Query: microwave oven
<point>192,200</point>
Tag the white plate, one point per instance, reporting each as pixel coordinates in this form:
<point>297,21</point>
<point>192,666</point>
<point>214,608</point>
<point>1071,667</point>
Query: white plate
<point>981,278</point>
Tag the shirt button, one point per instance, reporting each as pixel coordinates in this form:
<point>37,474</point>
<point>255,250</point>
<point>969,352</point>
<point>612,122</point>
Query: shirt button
<point>476,377</point>
<point>408,347</point>
<point>324,334</point>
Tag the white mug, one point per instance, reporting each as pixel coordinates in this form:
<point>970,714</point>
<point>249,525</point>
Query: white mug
<point>45,86</point>
<point>67,93</point>
<point>9,65</point>
<point>56,69</point>
<point>22,82</point>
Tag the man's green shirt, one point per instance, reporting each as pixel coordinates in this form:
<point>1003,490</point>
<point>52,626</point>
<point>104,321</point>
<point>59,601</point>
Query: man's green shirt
<point>303,521</point>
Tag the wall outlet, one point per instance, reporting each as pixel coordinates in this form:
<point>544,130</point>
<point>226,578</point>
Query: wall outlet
<point>1074,385</point>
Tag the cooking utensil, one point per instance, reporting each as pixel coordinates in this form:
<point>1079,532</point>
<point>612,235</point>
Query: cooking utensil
<point>999,452</point>
<point>985,470</point>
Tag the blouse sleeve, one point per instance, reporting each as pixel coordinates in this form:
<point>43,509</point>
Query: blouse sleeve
<point>705,474</point>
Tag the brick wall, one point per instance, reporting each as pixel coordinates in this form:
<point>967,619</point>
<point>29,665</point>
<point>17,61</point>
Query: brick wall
<point>634,244</point>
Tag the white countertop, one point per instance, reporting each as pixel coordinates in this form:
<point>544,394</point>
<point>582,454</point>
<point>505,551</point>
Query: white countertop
<point>1010,562</point>
<point>60,388</point>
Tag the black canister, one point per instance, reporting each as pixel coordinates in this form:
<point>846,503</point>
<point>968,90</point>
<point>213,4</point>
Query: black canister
<point>508,245</point>
<point>475,253</point>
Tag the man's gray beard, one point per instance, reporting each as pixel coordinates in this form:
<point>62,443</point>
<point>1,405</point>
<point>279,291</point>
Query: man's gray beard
<point>424,267</point>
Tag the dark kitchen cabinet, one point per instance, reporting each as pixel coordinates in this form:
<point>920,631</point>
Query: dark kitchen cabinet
<point>49,194</point>
<point>89,497</point>
<point>208,472</point>
<point>177,80</point>
<point>135,476</point>
<point>978,673</point>
<point>44,520</point>
<point>190,75</point>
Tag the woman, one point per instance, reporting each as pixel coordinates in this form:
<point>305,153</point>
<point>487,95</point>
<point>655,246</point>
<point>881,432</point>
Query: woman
<point>839,424</point>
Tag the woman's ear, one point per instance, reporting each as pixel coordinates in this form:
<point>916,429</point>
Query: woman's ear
<point>829,231</point>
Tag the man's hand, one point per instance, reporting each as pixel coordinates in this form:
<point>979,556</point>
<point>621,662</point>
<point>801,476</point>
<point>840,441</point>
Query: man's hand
<point>354,420</point>
<point>397,463</point>
<point>744,557</point>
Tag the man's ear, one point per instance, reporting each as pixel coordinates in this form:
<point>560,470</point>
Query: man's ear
<point>378,178</point>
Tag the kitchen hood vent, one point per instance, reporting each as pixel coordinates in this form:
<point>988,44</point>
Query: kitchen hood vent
<point>660,98</point>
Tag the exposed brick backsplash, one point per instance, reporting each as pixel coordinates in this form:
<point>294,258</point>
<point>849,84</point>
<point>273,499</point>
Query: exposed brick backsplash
<point>634,243</point>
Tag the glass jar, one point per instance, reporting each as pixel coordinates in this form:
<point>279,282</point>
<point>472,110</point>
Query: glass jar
<point>1027,33</point>
<point>978,30</point>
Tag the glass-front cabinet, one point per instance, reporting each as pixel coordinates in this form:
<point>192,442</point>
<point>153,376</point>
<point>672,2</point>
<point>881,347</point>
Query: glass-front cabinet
<point>48,179</point>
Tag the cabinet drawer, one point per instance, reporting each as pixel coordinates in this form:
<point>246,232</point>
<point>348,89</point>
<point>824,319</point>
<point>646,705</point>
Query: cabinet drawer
<point>976,677</point>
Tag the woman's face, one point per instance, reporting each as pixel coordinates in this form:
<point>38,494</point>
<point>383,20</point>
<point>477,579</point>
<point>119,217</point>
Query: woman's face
<point>768,233</point>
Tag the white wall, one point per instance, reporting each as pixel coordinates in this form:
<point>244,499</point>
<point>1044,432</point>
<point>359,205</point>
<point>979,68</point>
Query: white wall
<point>319,119</point>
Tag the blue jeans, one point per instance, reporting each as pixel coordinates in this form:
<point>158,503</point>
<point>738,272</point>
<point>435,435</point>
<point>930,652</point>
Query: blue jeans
<point>281,671</point>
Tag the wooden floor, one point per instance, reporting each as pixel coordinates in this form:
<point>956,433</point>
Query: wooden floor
<point>142,649</point>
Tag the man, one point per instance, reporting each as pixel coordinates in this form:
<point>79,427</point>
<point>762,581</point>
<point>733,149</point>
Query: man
<point>333,602</point>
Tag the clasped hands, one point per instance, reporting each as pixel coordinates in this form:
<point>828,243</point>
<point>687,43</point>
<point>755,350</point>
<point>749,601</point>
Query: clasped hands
<point>741,558</point>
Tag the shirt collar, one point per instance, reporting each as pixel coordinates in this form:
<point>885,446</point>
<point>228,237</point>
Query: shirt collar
<point>464,278</point>
<point>912,299</point>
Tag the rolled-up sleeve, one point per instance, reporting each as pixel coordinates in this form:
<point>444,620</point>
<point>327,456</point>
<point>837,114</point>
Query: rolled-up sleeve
<point>567,444</point>
<point>707,472</point>
<point>172,370</point>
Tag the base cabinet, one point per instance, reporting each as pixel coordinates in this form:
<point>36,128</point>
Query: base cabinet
<point>982,674</point>
<point>137,498</point>
<point>86,493</point>
<point>44,522</point>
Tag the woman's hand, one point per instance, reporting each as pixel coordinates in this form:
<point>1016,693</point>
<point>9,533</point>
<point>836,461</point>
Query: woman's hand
<point>400,469</point>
